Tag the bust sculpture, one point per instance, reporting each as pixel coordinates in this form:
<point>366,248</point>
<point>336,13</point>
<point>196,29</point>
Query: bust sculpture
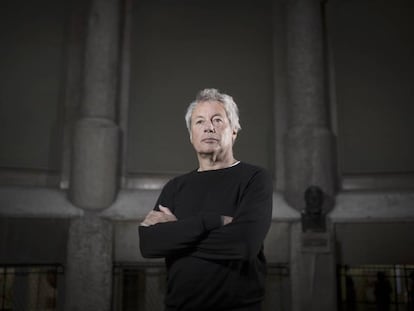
<point>313,217</point>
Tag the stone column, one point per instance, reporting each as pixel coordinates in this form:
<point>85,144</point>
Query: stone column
<point>309,141</point>
<point>95,152</point>
<point>312,271</point>
<point>94,165</point>
<point>88,270</point>
<point>310,156</point>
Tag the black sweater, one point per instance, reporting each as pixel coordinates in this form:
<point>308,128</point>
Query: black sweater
<point>211,266</point>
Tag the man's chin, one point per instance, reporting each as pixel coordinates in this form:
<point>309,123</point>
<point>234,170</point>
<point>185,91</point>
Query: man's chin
<point>208,152</point>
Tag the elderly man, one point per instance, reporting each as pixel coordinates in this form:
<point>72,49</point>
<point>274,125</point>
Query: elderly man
<point>210,223</point>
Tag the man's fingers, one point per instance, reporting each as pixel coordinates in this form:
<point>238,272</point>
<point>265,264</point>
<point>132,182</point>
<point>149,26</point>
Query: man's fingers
<point>165,210</point>
<point>167,213</point>
<point>227,220</point>
<point>155,217</point>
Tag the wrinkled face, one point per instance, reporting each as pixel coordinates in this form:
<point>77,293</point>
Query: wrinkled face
<point>210,130</point>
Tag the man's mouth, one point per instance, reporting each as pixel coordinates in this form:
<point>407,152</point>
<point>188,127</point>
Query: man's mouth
<point>209,140</point>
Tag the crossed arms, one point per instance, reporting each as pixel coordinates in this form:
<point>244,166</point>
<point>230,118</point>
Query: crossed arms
<point>212,236</point>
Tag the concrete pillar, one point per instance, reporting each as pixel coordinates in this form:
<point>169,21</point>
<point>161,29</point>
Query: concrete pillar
<point>312,271</point>
<point>95,151</point>
<point>101,60</point>
<point>94,165</point>
<point>310,157</point>
<point>89,264</point>
<point>309,142</point>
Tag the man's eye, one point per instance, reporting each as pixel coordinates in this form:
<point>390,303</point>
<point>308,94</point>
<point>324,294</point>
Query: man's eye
<point>217,120</point>
<point>199,122</point>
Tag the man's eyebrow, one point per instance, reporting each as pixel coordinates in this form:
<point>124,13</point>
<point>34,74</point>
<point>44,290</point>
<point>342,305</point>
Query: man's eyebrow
<point>218,114</point>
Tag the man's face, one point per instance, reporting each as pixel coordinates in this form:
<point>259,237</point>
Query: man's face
<point>210,131</point>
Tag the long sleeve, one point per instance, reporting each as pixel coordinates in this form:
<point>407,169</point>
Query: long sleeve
<point>243,238</point>
<point>198,201</point>
<point>164,239</point>
<point>212,266</point>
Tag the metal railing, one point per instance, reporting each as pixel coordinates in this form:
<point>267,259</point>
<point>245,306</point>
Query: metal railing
<point>142,287</point>
<point>34,287</point>
<point>29,287</point>
<point>376,287</point>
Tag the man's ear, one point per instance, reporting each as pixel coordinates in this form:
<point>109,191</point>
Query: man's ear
<point>234,135</point>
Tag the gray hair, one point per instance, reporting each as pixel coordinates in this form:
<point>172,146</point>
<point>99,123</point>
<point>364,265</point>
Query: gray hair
<point>213,95</point>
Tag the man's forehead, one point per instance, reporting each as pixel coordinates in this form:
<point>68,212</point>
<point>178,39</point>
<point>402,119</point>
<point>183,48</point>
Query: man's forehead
<point>209,106</point>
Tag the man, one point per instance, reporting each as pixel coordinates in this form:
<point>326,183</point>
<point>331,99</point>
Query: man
<point>209,224</point>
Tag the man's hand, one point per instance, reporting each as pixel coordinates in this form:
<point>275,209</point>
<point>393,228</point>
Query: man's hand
<point>226,220</point>
<point>155,217</point>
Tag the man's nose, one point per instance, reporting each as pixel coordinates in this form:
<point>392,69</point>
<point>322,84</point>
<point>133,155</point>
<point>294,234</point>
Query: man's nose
<point>209,128</point>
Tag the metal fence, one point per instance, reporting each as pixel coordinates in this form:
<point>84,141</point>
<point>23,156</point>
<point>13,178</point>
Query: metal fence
<point>376,287</point>
<point>142,287</point>
<point>29,287</point>
<point>135,287</point>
